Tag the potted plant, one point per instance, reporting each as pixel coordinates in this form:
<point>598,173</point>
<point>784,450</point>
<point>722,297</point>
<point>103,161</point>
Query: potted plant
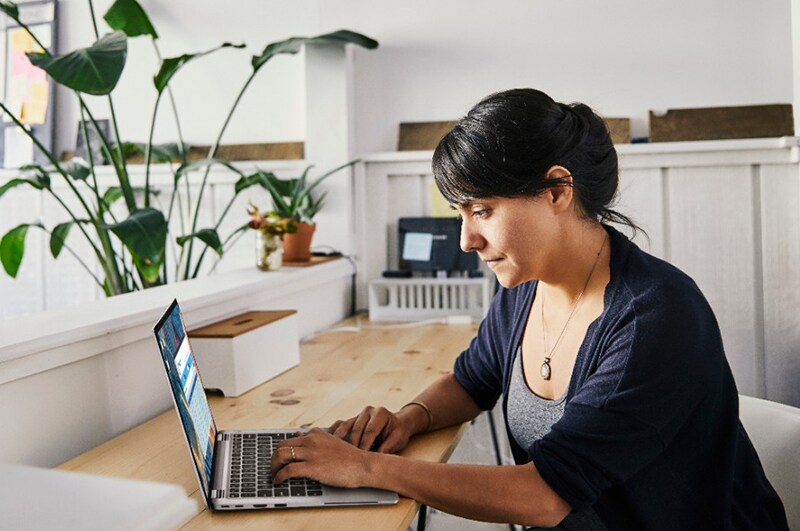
<point>130,244</point>
<point>293,199</point>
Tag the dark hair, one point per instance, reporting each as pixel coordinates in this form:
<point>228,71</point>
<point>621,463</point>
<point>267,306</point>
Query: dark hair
<point>507,142</point>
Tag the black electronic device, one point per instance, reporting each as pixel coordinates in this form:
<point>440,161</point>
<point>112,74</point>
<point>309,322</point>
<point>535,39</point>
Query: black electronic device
<point>432,244</point>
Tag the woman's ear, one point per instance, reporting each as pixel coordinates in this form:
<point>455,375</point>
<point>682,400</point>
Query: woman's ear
<point>560,194</point>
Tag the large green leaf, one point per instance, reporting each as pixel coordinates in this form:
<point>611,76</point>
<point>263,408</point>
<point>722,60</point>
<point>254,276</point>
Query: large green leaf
<point>208,236</point>
<point>41,174</point>
<point>295,44</point>
<point>59,237</point>
<point>111,195</point>
<point>168,152</point>
<point>12,247</point>
<point>187,167</point>
<point>77,168</point>
<point>144,233</point>
<point>93,70</point>
<point>292,198</point>
<point>281,204</point>
<point>129,17</point>
<point>16,182</point>
<point>248,181</point>
<point>171,65</point>
<point>10,9</point>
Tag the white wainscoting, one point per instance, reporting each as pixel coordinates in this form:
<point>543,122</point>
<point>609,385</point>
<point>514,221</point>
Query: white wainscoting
<point>725,212</point>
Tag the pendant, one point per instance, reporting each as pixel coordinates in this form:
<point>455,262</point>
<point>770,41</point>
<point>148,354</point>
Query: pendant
<point>545,370</point>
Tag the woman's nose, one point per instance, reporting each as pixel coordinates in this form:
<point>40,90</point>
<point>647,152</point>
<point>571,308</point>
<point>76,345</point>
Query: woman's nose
<point>470,240</point>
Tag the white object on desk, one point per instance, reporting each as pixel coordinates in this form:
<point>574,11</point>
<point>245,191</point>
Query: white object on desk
<point>43,499</point>
<point>414,299</point>
<point>237,354</point>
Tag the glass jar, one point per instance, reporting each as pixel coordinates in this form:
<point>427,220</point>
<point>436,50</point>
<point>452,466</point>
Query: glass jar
<point>269,251</point>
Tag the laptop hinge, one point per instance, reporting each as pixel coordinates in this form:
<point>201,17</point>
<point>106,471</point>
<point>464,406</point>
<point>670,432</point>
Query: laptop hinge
<point>221,462</point>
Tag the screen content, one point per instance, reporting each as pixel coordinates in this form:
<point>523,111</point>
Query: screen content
<point>187,388</point>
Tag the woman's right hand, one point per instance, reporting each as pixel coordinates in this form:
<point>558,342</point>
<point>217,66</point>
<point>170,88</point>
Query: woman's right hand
<point>391,431</point>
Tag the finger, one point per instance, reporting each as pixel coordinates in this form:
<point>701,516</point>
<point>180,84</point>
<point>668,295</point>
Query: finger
<point>392,443</point>
<point>357,431</point>
<point>292,470</point>
<point>371,432</point>
<point>332,427</point>
<point>297,440</point>
<point>344,428</point>
<point>281,457</point>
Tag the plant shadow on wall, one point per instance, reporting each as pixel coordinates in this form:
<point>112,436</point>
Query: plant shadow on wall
<point>131,247</point>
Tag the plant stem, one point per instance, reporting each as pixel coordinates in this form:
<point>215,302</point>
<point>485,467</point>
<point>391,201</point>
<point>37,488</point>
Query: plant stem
<point>26,28</point>
<point>181,146</point>
<point>239,235</point>
<point>78,258</point>
<point>148,152</point>
<point>90,156</point>
<point>211,153</point>
<point>98,254</point>
<point>122,175</point>
<point>122,169</point>
<point>77,221</point>
<point>94,20</point>
<point>50,157</point>
<point>103,259</point>
<point>99,223</point>
<point>216,227</point>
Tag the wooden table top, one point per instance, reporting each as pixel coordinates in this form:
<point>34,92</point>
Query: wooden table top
<point>339,373</point>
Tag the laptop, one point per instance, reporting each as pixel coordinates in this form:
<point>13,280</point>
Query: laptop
<point>233,466</point>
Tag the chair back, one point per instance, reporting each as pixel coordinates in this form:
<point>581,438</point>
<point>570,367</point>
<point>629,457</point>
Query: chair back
<point>774,430</point>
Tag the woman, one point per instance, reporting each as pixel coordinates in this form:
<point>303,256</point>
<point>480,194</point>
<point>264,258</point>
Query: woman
<point>620,406</point>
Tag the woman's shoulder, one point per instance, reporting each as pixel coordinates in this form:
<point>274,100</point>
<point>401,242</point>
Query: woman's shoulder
<point>651,283</point>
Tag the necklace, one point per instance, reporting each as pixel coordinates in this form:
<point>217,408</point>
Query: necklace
<point>545,370</point>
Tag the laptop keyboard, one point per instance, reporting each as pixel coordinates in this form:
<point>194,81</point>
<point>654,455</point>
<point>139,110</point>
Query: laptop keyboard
<point>251,474</point>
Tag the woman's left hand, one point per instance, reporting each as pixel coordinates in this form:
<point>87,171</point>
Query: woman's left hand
<point>323,457</point>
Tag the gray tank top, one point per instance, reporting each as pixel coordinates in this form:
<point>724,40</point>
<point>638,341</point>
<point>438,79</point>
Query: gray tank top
<point>529,418</point>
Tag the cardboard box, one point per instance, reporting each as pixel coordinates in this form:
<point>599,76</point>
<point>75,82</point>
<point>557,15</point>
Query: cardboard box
<point>239,353</point>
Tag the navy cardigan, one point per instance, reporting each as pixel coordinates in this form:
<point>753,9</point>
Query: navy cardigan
<point>650,436</point>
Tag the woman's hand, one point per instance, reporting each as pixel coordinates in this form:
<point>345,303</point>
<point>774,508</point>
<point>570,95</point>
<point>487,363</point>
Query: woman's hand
<point>391,431</point>
<point>320,456</point>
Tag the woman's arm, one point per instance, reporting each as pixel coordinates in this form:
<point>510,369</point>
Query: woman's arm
<point>448,403</point>
<point>509,494</point>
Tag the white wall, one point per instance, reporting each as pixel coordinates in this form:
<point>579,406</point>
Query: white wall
<point>438,58</point>
<point>273,107</point>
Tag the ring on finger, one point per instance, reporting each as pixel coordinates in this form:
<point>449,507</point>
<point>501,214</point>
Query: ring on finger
<point>294,458</point>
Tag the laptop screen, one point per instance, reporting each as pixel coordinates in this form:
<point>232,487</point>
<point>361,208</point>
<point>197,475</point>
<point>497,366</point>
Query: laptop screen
<point>187,391</point>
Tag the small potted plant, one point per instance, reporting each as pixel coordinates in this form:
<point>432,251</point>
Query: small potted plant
<point>292,199</point>
<point>270,229</point>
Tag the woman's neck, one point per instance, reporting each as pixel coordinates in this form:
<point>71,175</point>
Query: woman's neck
<point>581,265</point>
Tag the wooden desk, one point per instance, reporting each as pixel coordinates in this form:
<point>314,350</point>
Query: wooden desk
<point>338,375</point>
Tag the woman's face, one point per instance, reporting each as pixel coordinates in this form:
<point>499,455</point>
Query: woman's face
<point>514,236</point>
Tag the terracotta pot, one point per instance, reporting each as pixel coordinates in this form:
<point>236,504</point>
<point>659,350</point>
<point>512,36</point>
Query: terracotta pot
<point>297,246</point>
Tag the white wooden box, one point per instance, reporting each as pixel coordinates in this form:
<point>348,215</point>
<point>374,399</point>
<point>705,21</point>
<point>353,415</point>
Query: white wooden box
<point>237,354</point>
